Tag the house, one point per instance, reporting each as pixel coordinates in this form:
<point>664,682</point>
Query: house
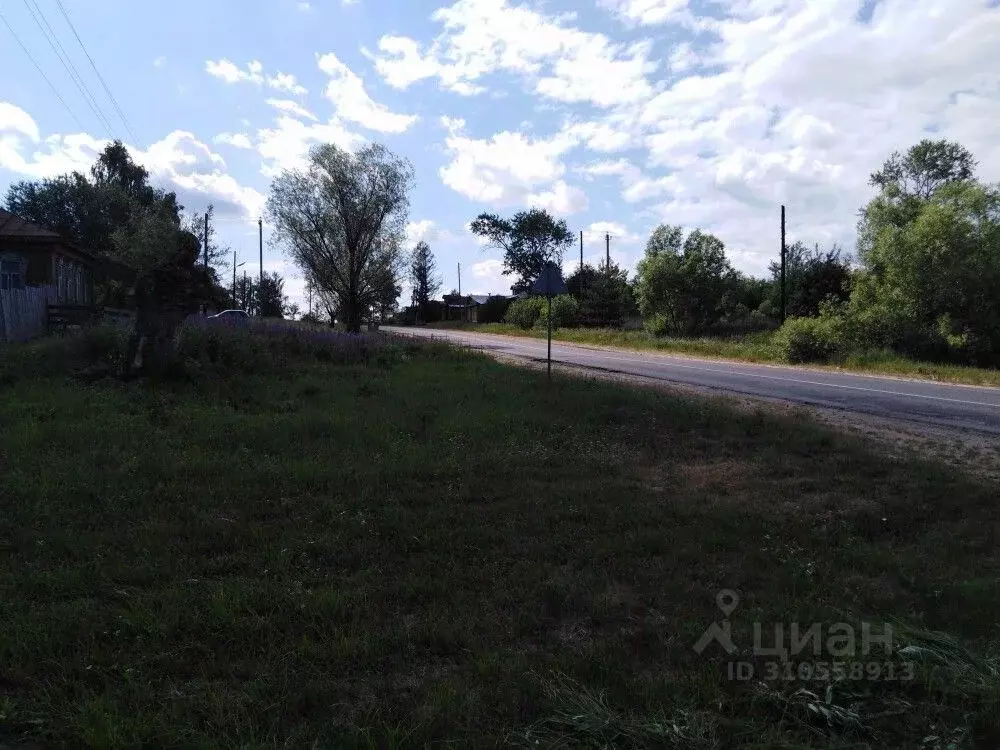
<point>464,307</point>
<point>32,256</point>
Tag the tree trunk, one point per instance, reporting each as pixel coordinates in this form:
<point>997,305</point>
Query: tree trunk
<point>352,316</point>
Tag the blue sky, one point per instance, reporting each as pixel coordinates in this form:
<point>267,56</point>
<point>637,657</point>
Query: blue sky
<point>614,114</point>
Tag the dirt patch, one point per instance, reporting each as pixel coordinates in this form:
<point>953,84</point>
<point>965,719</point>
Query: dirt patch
<point>974,453</point>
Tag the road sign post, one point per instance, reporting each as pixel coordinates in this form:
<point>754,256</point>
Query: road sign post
<point>549,282</point>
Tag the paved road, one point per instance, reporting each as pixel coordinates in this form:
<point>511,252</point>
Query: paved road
<point>958,406</point>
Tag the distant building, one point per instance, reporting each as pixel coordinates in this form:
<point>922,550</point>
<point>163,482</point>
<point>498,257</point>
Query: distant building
<point>466,307</point>
<point>33,256</point>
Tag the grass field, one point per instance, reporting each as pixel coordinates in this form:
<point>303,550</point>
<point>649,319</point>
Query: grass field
<point>412,546</point>
<point>756,347</point>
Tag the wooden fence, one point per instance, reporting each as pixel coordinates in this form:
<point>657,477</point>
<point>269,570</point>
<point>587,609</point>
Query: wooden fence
<point>23,312</point>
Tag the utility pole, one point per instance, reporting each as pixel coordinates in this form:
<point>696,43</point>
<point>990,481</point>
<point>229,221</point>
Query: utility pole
<point>782,264</point>
<point>607,245</point>
<point>235,269</point>
<point>206,239</point>
<point>246,300</point>
<point>260,244</point>
<point>459,279</point>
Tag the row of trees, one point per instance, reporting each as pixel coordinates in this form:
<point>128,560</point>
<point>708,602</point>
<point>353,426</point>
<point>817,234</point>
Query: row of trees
<point>927,281</point>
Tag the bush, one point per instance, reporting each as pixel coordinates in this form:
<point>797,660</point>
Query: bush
<point>524,313</point>
<point>810,339</point>
<point>564,311</point>
<point>656,325</point>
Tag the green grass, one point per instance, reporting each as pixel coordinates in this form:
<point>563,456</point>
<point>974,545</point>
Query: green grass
<point>429,548</point>
<point>756,347</point>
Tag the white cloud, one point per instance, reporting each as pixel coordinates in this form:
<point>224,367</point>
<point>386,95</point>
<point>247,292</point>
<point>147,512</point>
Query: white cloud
<point>286,82</point>
<point>559,199</point>
<point>292,107</point>
<point>647,11</point>
<point>15,121</point>
<point>178,162</point>
<point>508,168</point>
<point>286,145</point>
<point>227,71</point>
<point>159,62</point>
<point>482,37</point>
<point>347,92</point>
<point>236,140</point>
<point>427,230</point>
<point>487,278</point>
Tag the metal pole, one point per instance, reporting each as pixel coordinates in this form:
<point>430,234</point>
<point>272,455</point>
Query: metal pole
<point>782,264</point>
<point>549,296</point>
<point>234,278</point>
<point>459,279</point>
<point>206,239</point>
<point>607,240</point>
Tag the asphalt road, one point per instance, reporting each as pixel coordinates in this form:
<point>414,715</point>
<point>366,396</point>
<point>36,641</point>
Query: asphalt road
<point>957,406</point>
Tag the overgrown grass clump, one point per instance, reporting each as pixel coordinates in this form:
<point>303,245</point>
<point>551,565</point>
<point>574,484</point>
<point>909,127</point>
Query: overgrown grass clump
<point>412,546</point>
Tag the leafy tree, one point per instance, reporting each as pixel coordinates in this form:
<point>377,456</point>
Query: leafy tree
<point>665,239</point>
<point>270,298</point>
<point>684,290</point>
<point>604,295</point>
<point>933,283</point>
<point>219,256</point>
<point>117,199</point>
<point>811,277</point>
<point>528,239</point>
<point>926,167</point>
<point>423,276</point>
<point>342,219</point>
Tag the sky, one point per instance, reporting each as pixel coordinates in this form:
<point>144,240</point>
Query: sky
<point>615,115</point>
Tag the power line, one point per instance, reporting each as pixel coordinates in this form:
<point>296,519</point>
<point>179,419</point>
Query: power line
<point>67,63</point>
<point>41,72</point>
<point>107,90</point>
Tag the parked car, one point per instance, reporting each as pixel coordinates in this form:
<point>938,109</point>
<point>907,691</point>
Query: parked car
<point>238,318</point>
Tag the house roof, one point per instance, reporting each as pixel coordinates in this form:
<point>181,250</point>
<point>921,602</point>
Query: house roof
<point>14,226</point>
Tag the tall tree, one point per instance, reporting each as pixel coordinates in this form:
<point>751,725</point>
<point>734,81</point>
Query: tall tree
<point>604,295</point>
<point>924,168</point>
<point>811,278</point>
<point>219,255</point>
<point>270,298</point>
<point>116,199</point>
<point>686,291</point>
<point>423,277</point>
<point>528,239</point>
<point>342,219</point>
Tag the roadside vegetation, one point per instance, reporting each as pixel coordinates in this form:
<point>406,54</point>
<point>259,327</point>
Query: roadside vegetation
<point>295,537</point>
<point>764,347</point>
<point>920,298</point>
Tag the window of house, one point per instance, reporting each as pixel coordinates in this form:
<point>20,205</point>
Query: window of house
<point>11,274</point>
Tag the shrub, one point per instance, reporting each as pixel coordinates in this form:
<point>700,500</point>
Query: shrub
<point>524,313</point>
<point>656,324</point>
<point>564,311</point>
<point>810,339</point>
